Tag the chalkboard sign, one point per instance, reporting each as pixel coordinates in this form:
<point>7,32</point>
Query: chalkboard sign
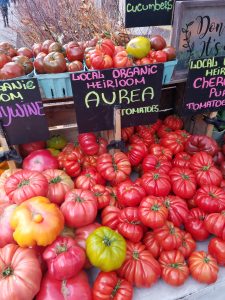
<point>198,32</point>
<point>136,90</point>
<point>148,13</point>
<point>21,111</point>
<point>205,90</point>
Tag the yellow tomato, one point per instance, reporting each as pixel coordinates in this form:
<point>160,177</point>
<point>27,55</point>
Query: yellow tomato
<point>138,47</point>
<point>106,249</point>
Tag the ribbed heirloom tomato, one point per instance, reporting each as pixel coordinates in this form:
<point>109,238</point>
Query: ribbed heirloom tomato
<point>152,163</point>
<point>216,248</point>
<point>122,60</point>
<point>106,46</point>
<point>136,152</point>
<point>88,143</point>
<point>110,216</point>
<point>173,142</point>
<point>88,179</point>
<point>160,152</point>
<point>195,225</point>
<point>215,224</point>
<point>174,122</point>
<point>152,244</point>
<point>156,184</point>
<point>130,193</point>
<point>182,160</point>
<point>102,195</point>
<point>188,244</point>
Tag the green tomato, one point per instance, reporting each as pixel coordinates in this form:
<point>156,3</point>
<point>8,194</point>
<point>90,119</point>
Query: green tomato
<point>106,249</point>
<point>57,142</point>
<point>53,151</point>
<point>138,47</point>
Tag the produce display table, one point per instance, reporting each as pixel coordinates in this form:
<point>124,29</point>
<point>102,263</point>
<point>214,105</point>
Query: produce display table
<point>191,289</point>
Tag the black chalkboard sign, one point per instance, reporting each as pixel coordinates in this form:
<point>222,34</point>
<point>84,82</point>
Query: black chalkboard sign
<point>205,90</point>
<point>136,90</point>
<point>21,111</point>
<point>148,13</point>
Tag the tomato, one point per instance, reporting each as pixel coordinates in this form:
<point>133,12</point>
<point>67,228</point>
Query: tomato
<point>20,273</point>
<point>160,152</point>
<point>152,163</point>
<point>218,158</point>
<point>54,62</point>
<point>110,217</point>
<point>6,233</point>
<point>3,59</point>
<point>88,143</point>
<point>106,46</point>
<point>39,63</point>
<point>11,70</point>
<point>74,52</point>
<point>114,168</point>
<point>138,47</point>
<point>126,133</point>
<point>152,213</point>
<point>24,185</point>
<point>210,198</point>
<point>26,149</point>
<point>197,143</point>
<point>106,249</point>
<point>64,258</point>
<point>184,135</point>
<point>122,60</point>
<point>173,142</point>
<point>183,182</point>
<point>89,161</point>
<point>36,49</point>
<point>8,49</point>
<point>25,62</point>
<point>191,203</point>
<point>25,52</point>
<point>170,53</point>
<point>160,56</point>
<point>56,142</point>
<point>79,208</point>
<point>136,153</point>
<point>182,160</point>
<point>177,208</point>
<point>59,183</point>
<point>209,176</point>
<point>173,122</point>
<point>73,288</point>
<point>138,258</point>
<point>40,160</point>
<point>168,236</point>
<point>71,160</point>
<point>102,143</point>
<point>188,244</point>
<point>143,136</point>
<point>152,244</point>
<point>102,195</point>
<point>75,66</point>
<point>108,286</point>
<point>203,267</point>
<point>216,248</point>
<point>130,193</point>
<point>156,184</point>
<point>174,268</point>
<point>88,179</point>
<point>215,224</point>
<point>100,61</point>
<point>163,130</point>
<point>195,224</point>
<point>201,161</point>
<point>129,225</point>
<point>157,42</point>
<point>45,45</point>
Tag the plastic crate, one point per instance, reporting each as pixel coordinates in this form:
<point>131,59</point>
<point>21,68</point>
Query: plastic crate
<point>168,70</point>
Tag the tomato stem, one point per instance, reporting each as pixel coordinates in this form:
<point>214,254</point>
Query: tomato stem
<point>106,241</point>
<point>79,199</point>
<point>116,288</point>
<point>7,272</point>
<point>56,180</point>
<point>61,248</point>
<point>23,182</point>
<point>135,254</point>
<point>155,207</point>
<point>156,176</point>
<point>185,176</point>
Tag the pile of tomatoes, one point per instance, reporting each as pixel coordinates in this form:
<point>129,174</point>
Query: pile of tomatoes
<point>134,215</point>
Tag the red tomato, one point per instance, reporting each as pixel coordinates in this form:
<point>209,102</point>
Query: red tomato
<point>102,195</point>
<point>114,168</point>
<point>169,236</point>
<point>184,135</point>
<point>11,70</point>
<point>160,56</point>
<point>106,46</point>
<point>160,152</point>
<point>216,248</point>
<point>191,203</point>
<point>130,193</point>
<point>182,160</point>
<point>144,61</point>
<point>122,60</point>
<point>45,45</point>
<point>88,179</point>
<point>119,49</point>
<point>75,66</point>
<point>59,183</point>
<point>102,143</point>
<point>6,233</point>
<point>110,217</point>
<point>4,59</point>
<point>73,288</point>
<point>79,208</point>
<point>174,122</point>
<point>40,160</point>
<point>39,63</point>
<point>199,261</point>
<point>90,161</point>
<point>152,163</point>
<point>218,158</point>
<point>209,176</point>
<point>54,62</point>
<point>177,208</point>
<point>170,53</point>
<point>152,244</point>
<point>197,143</point>
<point>183,182</point>
<point>156,184</point>
<point>173,142</point>
<point>24,185</point>
<point>25,52</point>
<point>36,48</point>
<point>157,42</point>
<point>100,61</point>
<point>195,224</point>
<point>70,159</point>
<point>64,258</point>
<point>26,149</point>
<point>174,268</point>
<point>188,244</point>
<point>88,143</point>
<point>74,52</point>
<point>126,133</point>
<point>8,49</point>
<point>201,161</point>
<point>129,224</point>
<point>110,286</point>
<point>137,260</point>
<point>163,130</point>
<point>215,224</point>
<point>152,212</point>
<point>210,198</point>
<point>136,153</point>
<point>113,196</point>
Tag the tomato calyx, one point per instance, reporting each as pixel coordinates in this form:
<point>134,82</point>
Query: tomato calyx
<point>206,259</point>
<point>185,176</point>
<point>8,271</point>
<point>212,195</point>
<point>23,182</point>
<point>167,203</point>
<point>205,168</point>
<point>135,254</point>
<point>56,180</point>
<point>79,199</point>
<point>175,265</point>
<point>98,194</point>
<point>172,230</point>
<point>155,207</point>
<point>107,241</point>
<point>114,165</point>
<point>116,288</point>
<point>156,176</point>
<point>61,248</point>
<point>135,222</point>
